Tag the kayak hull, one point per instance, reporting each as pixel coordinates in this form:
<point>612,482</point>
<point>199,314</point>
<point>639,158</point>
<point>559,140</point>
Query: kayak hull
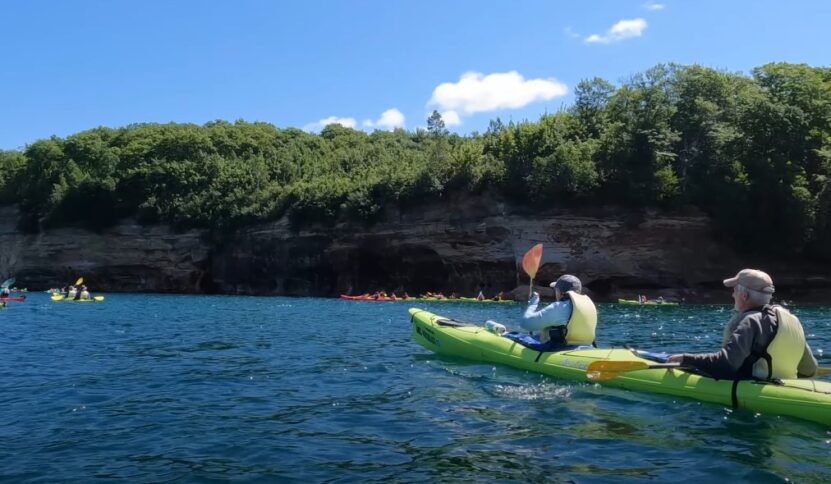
<point>62,298</point>
<point>803,398</point>
<point>13,298</point>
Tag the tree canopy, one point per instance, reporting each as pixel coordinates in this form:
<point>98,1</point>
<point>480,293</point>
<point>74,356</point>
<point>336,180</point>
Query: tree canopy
<point>753,151</point>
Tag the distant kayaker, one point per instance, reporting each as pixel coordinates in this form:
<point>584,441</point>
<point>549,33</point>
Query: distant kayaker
<point>761,341</point>
<point>71,292</point>
<point>5,292</point>
<point>84,294</point>
<point>571,320</point>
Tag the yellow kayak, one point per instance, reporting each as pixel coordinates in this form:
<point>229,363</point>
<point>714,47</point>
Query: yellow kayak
<point>61,297</point>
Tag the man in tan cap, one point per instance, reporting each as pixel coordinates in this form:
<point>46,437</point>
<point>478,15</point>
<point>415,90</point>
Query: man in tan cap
<point>761,341</point>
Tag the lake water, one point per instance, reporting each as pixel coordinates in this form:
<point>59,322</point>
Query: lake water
<point>196,388</point>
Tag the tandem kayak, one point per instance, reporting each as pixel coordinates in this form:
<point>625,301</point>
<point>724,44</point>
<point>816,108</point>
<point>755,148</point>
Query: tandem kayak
<point>62,298</point>
<point>14,298</point>
<point>647,303</point>
<point>801,398</point>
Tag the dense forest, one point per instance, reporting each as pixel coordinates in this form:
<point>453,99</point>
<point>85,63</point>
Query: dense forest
<point>752,151</point>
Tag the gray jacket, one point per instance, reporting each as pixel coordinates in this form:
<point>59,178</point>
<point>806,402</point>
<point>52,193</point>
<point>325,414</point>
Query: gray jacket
<point>746,338</point>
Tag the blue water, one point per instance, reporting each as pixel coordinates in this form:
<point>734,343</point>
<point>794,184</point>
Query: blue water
<point>190,388</point>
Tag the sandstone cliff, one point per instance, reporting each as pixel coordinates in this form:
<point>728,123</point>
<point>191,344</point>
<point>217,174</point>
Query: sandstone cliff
<point>455,244</point>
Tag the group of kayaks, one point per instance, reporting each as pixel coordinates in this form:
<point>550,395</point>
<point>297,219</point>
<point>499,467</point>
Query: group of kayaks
<point>56,295</point>
<point>53,297</point>
<point>370,297</point>
<point>650,302</point>
<point>367,297</point>
<point>808,399</point>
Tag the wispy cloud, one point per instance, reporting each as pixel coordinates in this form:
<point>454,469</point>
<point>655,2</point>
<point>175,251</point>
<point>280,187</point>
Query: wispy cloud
<point>624,29</point>
<point>389,120</point>
<point>317,126</point>
<point>653,6</point>
<point>476,92</point>
<point>571,33</point>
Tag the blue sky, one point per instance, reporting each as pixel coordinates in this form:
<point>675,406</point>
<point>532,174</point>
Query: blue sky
<point>69,65</point>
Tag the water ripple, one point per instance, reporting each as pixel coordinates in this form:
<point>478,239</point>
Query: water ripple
<point>185,388</point>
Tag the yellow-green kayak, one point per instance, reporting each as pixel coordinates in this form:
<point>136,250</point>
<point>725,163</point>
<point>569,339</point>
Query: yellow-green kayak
<point>803,398</point>
<point>62,298</point>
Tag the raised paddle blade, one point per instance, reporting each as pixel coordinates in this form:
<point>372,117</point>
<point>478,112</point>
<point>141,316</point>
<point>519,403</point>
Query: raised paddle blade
<point>606,370</point>
<point>530,263</point>
<point>531,260</point>
<point>8,282</point>
<point>79,281</point>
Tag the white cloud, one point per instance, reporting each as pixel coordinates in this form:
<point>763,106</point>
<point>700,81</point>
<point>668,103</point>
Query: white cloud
<point>451,118</point>
<point>571,33</point>
<point>476,92</point>
<point>389,120</point>
<point>345,122</point>
<point>624,29</point>
<point>653,6</point>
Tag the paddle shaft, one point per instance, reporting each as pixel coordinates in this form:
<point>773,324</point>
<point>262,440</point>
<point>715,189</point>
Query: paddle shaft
<point>606,370</point>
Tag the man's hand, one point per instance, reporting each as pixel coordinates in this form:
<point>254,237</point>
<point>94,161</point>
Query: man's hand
<point>535,298</point>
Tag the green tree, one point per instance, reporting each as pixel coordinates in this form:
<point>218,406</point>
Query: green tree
<point>435,125</point>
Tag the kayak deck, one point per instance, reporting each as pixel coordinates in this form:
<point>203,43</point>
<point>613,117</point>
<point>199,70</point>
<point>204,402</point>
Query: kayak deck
<point>803,398</point>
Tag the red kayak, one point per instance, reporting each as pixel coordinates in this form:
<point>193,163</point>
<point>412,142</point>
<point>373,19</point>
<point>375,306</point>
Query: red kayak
<point>369,298</point>
<point>17,298</point>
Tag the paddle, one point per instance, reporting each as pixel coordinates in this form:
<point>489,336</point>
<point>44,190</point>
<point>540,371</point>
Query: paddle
<point>8,282</point>
<point>79,281</point>
<point>606,370</point>
<point>530,263</point>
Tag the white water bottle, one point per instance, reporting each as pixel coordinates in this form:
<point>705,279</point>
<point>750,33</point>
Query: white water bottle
<point>495,327</point>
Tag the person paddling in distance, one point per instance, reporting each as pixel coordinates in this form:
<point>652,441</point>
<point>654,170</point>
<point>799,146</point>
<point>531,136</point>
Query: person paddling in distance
<point>83,294</point>
<point>570,320</point>
<point>762,341</point>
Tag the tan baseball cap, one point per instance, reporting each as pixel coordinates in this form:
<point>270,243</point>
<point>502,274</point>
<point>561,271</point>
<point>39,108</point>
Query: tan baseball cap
<point>752,279</point>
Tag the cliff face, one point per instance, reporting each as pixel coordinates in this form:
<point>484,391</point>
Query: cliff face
<point>452,245</point>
